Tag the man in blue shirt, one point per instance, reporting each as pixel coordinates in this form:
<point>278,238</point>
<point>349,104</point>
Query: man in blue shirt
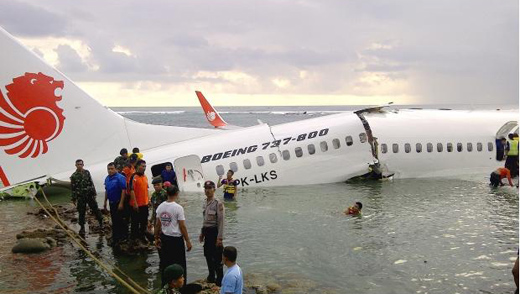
<point>233,282</point>
<point>115,186</point>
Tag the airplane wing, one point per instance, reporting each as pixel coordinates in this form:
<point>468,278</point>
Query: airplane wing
<point>212,115</point>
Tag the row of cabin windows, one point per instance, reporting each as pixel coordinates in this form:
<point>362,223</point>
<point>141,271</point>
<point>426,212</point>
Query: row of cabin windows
<point>286,155</point>
<point>439,147</point>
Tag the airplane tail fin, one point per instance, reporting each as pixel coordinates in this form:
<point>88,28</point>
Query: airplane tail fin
<point>47,121</point>
<point>211,114</point>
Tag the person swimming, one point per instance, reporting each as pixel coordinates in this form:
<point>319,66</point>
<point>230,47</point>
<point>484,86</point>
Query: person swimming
<point>355,209</point>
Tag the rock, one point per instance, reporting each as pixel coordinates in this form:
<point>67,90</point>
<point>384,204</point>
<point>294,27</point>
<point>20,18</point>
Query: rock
<point>273,288</point>
<point>33,245</point>
<point>58,236</point>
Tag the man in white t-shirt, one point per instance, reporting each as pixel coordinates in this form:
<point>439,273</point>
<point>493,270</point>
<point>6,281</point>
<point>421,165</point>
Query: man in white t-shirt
<point>171,233</point>
<point>232,282</point>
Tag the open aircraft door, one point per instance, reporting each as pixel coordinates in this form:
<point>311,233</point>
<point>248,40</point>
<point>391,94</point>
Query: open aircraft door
<point>190,177</point>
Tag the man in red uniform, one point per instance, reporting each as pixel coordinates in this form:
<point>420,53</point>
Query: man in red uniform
<point>497,176</point>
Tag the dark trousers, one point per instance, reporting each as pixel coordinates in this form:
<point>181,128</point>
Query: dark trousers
<point>512,165</point>
<point>119,226</point>
<point>172,252</point>
<point>494,178</point>
<point>139,222</point>
<point>213,254</point>
<point>82,209</point>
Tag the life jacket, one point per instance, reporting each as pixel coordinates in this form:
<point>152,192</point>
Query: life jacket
<point>513,148</point>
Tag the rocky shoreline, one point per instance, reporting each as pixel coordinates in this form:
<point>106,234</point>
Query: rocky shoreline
<point>40,240</point>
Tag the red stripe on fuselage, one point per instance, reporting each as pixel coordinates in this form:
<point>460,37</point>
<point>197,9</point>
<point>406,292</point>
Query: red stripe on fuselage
<point>3,178</point>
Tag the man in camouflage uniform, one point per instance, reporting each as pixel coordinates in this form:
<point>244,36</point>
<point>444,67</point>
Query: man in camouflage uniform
<point>83,193</point>
<point>174,274</point>
<point>158,197</point>
<point>122,160</point>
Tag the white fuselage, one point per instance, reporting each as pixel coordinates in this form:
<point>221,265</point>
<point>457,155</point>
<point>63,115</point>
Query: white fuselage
<point>315,151</point>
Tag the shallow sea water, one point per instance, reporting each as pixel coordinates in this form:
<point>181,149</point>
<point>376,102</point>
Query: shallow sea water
<point>415,236</point>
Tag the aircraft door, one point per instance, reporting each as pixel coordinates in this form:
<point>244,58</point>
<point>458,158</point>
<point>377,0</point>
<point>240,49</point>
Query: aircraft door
<point>190,176</point>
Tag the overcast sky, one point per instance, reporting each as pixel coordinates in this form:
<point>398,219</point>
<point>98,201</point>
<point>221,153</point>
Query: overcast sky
<point>284,52</point>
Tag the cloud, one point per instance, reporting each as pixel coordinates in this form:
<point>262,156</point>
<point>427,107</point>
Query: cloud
<point>438,52</point>
<point>28,20</point>
<point>69,60</point>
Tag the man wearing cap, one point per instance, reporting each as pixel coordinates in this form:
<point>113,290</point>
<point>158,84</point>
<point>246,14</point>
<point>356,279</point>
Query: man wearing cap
<point>174,275</point>
<point>122,160</point>
<point>212,233</point>
<point>171,233</point>
<point>83,194</point>
<point>158,197</point>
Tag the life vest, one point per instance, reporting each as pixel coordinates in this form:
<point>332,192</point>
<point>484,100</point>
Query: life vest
<point>513,148</point>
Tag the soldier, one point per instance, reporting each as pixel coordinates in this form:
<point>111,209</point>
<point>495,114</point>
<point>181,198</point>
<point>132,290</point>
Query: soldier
<point>174,275</point>
<point>83,193</point>
<point>212,233</point>
<point>122,160</point>
<point>158,197</point>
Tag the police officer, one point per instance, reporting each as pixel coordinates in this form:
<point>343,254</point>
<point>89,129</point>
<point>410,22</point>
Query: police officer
<point>83,193</point>
<point>212,233</point>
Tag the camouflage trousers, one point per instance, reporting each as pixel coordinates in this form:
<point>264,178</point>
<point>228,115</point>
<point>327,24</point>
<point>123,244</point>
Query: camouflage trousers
<point>82,209</point>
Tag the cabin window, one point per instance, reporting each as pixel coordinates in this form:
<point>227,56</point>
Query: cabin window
<point>395,148</point>
<point>362,137</point>
<point>260,160</point>
<point>349,141</point>
<point>384,148</point>
<point>298,151</point>
<point>311,149</point>
<point>407,148</point>
<point>286,155</point>
<point>418,147</point>
<point>479,147</point>
<point>439,147</point>
<point>247,163</point>
<point>220,170</point>
<point>335,144</point>
<point>323,146</point>
<point>459,147</point>
<point>429,147</point>
<point>273,158</point>
<point>469,146</point>
<point>490,146</point>
<point>233,166</point>
<point>449,147</point>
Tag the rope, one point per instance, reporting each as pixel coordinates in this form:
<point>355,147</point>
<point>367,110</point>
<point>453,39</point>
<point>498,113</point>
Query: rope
<point>99,262</point>
<point>134,284</point>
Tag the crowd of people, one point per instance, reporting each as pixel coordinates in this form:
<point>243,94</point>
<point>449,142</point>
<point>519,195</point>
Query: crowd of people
<point>126,192</point>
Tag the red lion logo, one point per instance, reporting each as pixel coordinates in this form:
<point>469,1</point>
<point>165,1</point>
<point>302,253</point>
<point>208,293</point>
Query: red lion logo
<point>29,115</point>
